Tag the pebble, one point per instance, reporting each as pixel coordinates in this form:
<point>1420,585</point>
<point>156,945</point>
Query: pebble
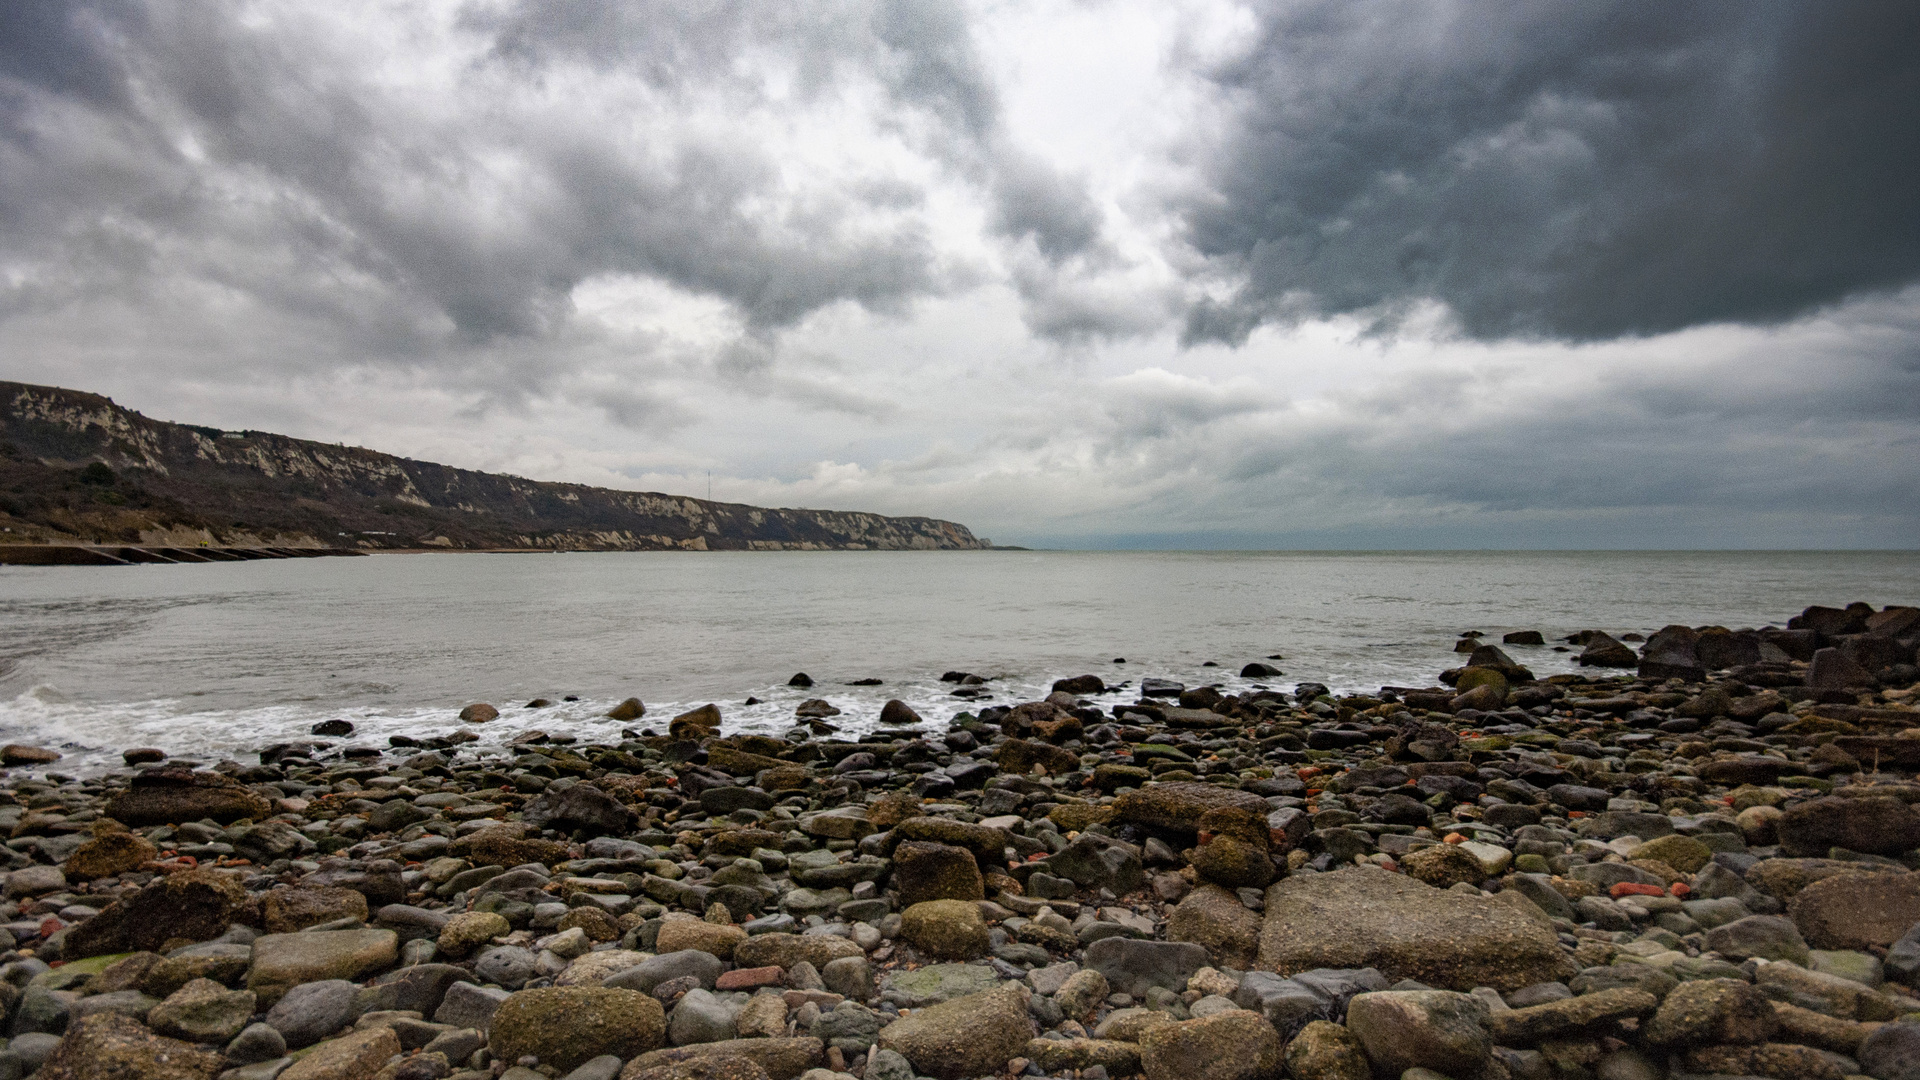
<point>1586,873</point>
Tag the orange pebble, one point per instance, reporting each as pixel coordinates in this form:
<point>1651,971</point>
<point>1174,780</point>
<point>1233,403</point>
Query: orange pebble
<point>1455,838</point>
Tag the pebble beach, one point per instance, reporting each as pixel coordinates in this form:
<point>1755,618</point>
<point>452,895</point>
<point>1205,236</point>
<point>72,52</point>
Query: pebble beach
<point>1698,854</point>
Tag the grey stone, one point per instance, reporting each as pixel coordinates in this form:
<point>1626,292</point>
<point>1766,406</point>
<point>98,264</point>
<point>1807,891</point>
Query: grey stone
<point>469,1006</point>
<point>702,1017</point>
<point>850,1026</point>
<point>1132,965</point>
<point>1290,1004</point>
<point>509,965</point>
<point>1893,1052</point>
<point>703,967</point>
<point>256,1042</point>
<point>312,1011</point>
<point>604,1067</point>
<point>850,977</point>
<point>886,1064</point>
<point>1433,1029</point>
<point>1768,937</point>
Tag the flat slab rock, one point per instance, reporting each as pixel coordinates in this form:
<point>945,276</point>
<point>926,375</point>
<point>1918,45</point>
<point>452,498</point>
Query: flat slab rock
<point>1408,930</point>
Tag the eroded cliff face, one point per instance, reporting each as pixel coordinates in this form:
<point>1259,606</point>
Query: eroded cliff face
<point>166,480</point>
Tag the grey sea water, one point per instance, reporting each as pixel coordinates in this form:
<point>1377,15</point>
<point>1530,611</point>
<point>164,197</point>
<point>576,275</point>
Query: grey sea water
<point>213,660</point>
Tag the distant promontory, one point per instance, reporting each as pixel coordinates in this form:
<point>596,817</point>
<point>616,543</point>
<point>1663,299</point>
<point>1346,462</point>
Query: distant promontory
<point>77,469</point>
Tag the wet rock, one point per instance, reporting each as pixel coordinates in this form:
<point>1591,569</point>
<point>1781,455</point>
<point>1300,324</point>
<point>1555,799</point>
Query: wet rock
<point>283,961</point>
<point>309,1012</point>
<point>202,1011</point>
<point>946,929</point>
<point>108,855</point>
<point>1092,861</point>
<point>630,709</point>
<point>196,905</point>
<point>1215,919</point>
<point>1586,1016</point>
<point>581,806</point>
<point>1291,1004</point>
<point>695,724</point>
<point>1327,1051</point>
<point>702,1017</point>
<point>1369,918</point>
<point>683,934</point>
<point>778,1058</point>
<point>479,713</point>
<point>1712,1011</point>
<point>469,930</point>
<point>1231,1045</point>
<point>565,1026</point>
<point>169,796</point>
<point>288,908</point>
<point>1443,866</point>
<point>970,1036</point>
<point>1433,1029</point>
<point>1857,911</point>
<point>923,870</point>
<point>1176,807</point>
<point>1872,825</point>
<point>1768,937</point>
<point>1778,1060</point>
<point>121,1048</point>
<point>1892,1052</point>
<point>1133,966</point>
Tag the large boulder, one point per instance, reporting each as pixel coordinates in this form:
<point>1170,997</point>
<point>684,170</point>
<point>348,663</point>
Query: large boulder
<point>1669,654</point>
<point>1372,918</point>
<point>1176,807</point>
<point>565,1026</point>
<point>1231,1045</point>
<point>1871,825</point>
<point>107,855</point>
<point>194,905</point>
<point>974,1035</point>
<point>172,795</point>
<point>1767,937</point>
<point>1857,911</point>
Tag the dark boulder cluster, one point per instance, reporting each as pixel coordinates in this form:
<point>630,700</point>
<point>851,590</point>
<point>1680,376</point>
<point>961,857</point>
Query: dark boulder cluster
<point>1709,866</point>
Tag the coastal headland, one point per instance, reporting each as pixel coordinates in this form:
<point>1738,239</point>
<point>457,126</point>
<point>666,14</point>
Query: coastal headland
<point>78,470</point>
<point>1697,856</point>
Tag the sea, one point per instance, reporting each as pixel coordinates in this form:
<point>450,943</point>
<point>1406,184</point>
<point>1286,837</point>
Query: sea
<point>216,660</point>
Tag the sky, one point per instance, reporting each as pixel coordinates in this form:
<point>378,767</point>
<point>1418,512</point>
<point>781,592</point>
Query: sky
<point>1076,273</point>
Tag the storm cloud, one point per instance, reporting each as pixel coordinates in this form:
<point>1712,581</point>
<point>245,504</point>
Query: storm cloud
<point>1581,172</point>
<point>1074,271</point>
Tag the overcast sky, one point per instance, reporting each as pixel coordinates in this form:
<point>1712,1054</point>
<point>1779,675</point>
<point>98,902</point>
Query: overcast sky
<point>1072,272</point>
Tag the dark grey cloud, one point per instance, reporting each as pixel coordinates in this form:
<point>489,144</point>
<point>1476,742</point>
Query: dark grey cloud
<point>1574,171</point>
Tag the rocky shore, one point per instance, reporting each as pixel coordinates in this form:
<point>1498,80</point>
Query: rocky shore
<point>1698,857</point>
